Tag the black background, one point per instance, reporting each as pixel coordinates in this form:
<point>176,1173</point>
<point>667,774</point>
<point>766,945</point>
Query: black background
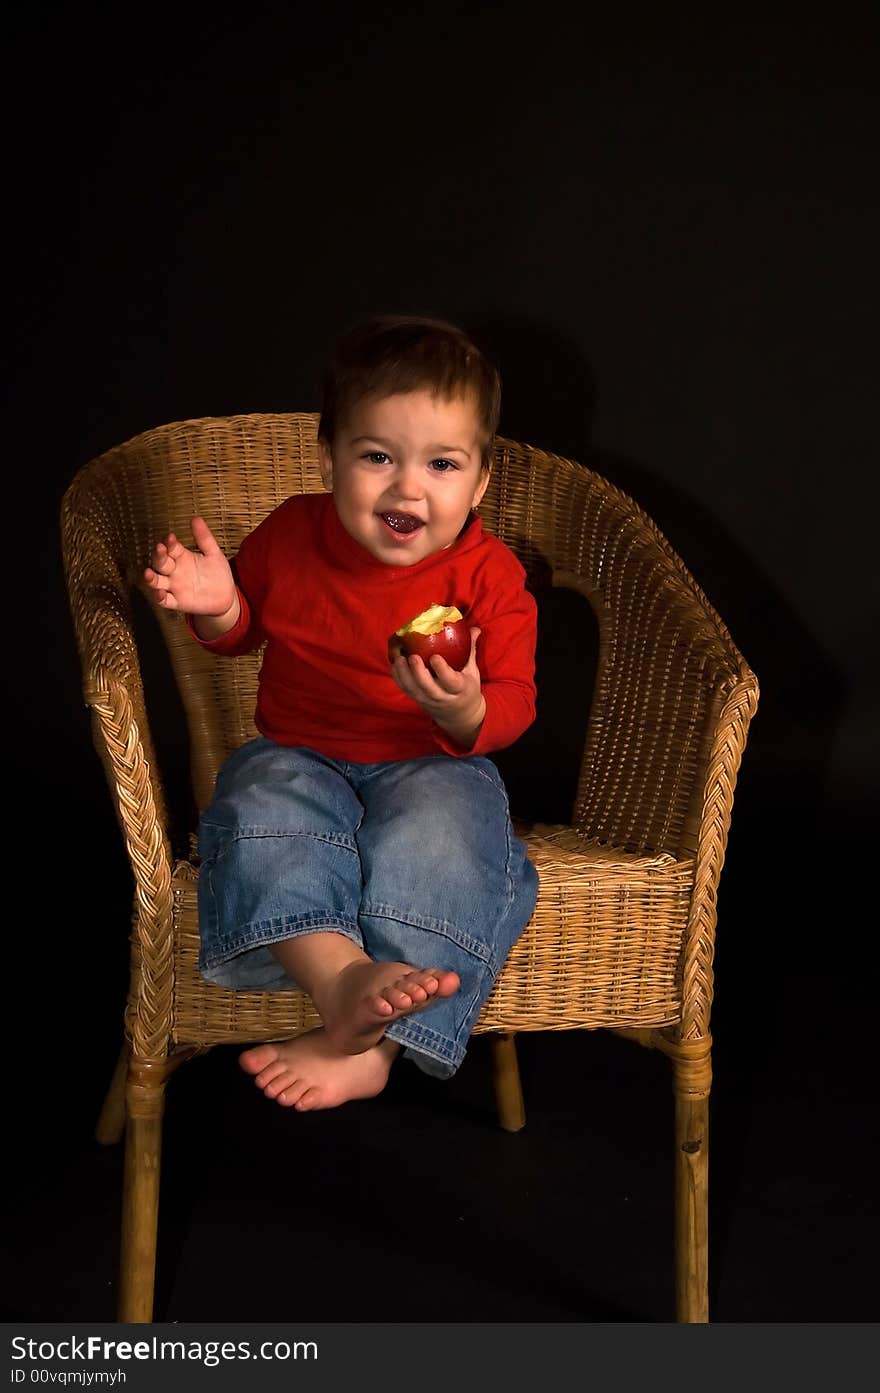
<point>663,223</point>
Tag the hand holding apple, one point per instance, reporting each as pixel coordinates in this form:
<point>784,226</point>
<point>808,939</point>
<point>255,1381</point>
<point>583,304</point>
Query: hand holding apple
<point>451,696</point>
<point>439,629</point>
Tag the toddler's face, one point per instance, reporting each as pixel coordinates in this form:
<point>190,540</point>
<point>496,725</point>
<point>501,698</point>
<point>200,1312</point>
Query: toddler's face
<point>405,471</point>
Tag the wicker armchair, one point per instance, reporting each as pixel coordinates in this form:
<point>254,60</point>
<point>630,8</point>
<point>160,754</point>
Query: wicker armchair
<point>622,936</point>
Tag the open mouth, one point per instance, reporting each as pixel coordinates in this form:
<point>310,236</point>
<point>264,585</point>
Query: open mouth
<point>402,523</point>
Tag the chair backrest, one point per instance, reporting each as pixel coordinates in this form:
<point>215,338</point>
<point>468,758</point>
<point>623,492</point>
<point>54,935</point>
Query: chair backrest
<point>666,667</point>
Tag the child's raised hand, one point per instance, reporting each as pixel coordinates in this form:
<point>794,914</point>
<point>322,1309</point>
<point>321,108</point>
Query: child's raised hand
<point>199,582</point>
<point>453,699</point>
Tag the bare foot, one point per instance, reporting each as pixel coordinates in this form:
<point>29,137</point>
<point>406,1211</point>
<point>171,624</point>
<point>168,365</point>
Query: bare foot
<point>364,998</point>
<point>309,1071</point>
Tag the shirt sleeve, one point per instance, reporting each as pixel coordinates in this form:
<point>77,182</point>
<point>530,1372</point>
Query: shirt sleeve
<point>507,617</point>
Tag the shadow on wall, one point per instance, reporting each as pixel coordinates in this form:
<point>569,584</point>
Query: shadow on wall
<point>549,400</point>
<point>771,919</point>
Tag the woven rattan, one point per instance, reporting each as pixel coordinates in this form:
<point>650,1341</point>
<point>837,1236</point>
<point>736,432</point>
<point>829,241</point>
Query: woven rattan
<point>623,932</point>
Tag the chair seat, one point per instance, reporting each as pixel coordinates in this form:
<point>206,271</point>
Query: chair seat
<point>603,948</point>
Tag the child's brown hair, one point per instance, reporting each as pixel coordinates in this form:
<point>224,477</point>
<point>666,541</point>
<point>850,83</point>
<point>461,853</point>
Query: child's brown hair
<point>386,354</point>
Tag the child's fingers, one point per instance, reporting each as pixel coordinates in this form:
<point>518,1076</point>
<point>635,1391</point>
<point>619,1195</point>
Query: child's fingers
<point>428,682</point>
<point>161,589</point>
<point>413,679</point>
<point>159,585</point>
<point>174,546</point>
<point>446,677</point>
<point>423,676</point>
<point>203,537</point>
<point>471,664</point>
<point>401,674</point>
<point>166,554</point>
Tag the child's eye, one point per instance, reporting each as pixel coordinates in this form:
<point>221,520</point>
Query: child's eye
<point>376,456</point>
<point>443,466</point>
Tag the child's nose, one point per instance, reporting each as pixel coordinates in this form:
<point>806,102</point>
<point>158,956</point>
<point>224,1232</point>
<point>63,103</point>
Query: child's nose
<point>409,481</point>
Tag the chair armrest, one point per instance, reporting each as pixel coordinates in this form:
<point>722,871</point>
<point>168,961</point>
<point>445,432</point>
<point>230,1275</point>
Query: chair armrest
<point>668,724</point>
<point>733,709</point>
<point>666,669</point>
<point>112,686</point>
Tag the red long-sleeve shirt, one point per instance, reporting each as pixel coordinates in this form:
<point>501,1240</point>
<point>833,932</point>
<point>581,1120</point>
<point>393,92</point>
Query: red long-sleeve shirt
<point>325,608</point>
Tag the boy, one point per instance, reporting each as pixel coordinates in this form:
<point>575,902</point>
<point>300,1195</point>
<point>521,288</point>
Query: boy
<point>361,846</point>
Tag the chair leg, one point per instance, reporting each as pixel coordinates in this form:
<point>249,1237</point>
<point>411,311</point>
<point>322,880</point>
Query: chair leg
<point>111,1122</point>
<point>508,1087</point>
<point>144,1106</point>
<point>145,1101</point>
<point>691,1082</point>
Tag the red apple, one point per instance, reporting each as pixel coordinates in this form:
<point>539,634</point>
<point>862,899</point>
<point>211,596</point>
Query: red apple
<point>439,629</point>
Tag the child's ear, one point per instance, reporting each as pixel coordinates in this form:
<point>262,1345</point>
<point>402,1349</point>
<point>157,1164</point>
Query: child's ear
<point>481,486</point>
<point>325,464</point>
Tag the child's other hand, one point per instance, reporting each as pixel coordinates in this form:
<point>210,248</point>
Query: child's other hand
<point>199,582</point>
<point>453,699</point>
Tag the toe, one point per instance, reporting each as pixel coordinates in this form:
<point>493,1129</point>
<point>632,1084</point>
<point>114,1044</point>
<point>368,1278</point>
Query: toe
<point>270,1073</point>
<point>379,1005</point>
<point>397,997</point>
<point>309,1100</point>
<point>415,990</point>
<point>290,1096</point>
<point>280,1084</point>
<point>426,981</point>
<point>252,1061</point>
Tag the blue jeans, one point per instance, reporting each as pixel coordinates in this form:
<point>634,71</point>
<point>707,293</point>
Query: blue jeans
<point>414,860</point>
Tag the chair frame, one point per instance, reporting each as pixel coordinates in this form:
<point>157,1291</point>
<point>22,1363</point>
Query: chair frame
<point>654,799</point>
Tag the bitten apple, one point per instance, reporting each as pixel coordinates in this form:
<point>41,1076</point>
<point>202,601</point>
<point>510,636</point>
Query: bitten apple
<point>440,629</point>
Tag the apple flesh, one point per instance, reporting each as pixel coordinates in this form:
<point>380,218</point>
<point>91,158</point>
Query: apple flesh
<point>440,629</point>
